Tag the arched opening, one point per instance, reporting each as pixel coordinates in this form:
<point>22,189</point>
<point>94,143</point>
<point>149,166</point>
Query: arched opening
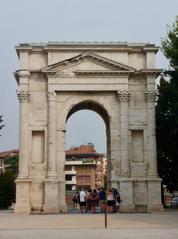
<point>87,148</point>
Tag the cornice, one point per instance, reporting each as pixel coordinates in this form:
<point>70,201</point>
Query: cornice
<point>23,73</point>
<point>86,46</point>
<point>150,72</point>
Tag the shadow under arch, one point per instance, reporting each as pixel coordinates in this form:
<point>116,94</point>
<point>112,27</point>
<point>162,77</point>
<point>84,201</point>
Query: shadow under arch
<point>99,109</point>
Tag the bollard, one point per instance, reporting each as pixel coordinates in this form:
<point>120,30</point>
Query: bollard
<point>105,215</point>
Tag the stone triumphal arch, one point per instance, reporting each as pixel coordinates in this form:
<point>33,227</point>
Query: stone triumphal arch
<point>116,80</point>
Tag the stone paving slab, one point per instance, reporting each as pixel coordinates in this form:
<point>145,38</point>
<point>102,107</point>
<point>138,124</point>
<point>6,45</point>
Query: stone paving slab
<point>120,226</point>
<point>90,234</point>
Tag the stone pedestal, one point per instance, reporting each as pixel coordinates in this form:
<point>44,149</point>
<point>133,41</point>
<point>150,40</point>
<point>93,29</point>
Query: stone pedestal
<point>22,196</point>
<point>51,203</point>
<point>126,190</point>
<point>62,200</point>
<point>37,194</point>
<point>154,192</point>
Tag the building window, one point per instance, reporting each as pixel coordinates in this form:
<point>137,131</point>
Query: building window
<point>69,187</point>
<point>68,168</point>
<point>68,177</point>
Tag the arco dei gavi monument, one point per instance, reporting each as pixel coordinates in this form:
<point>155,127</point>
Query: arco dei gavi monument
<point>114,79</point>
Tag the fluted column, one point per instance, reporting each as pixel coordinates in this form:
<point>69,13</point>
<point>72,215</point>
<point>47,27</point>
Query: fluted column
<point>24,98</point>
<point>151,134</point>
<point>51,197</point>
<point>61,165</point>
<point>23,182</point>
<point>123,97</point>
<point>51,159</point>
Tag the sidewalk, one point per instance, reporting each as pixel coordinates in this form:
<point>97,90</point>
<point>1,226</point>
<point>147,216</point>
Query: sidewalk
<point>85,226</point>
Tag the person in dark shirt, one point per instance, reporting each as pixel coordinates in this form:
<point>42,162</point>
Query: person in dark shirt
<point>94,200</point>
<point>117,200</point>
<point>102,199</point>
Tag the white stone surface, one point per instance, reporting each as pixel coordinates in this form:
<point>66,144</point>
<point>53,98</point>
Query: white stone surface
<point>116,80</point>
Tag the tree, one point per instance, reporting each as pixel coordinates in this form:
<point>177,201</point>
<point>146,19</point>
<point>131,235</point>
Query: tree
<point>1,126</point>
<point>167,113</point>
<point>13,163</point>
<point>7,189</point>
<point>170,45</point>
<point>7,182</point>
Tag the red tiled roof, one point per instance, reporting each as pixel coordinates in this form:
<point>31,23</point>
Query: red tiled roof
<point>6,154</point>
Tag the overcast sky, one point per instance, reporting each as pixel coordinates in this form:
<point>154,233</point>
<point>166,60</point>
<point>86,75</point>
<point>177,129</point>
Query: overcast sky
<point>73,20</point>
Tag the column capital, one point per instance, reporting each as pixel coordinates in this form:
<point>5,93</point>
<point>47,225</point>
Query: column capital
<point>23,96</point>
<point>51,95</point>
<point>123,95</point>
<point>151,95</point>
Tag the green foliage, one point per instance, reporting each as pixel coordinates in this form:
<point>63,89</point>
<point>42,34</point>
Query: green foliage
<point>13,163</point>
<point>170,45</point>
<point>167,114</point>
<point>7,189</point>
<point>7,182</point>
<point>1,126</point>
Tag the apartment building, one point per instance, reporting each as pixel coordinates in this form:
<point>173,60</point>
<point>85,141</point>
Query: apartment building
<point>84,168</point>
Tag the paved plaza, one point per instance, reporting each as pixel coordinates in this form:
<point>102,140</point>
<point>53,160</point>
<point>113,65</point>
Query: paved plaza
<point>84,226</point>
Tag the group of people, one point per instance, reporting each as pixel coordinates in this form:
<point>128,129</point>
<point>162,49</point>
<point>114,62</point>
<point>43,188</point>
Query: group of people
<point>97,200</point>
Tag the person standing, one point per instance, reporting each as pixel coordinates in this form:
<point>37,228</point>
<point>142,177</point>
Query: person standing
<point>88,200</point>
<point>102,198</point>
<point>117,199</point>
<point>75,200</point>
<point>82,200</point>
<point>94,200</point>
<point>110,201</point>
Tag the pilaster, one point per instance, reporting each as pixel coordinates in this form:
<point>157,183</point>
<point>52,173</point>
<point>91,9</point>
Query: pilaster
<point>51,204</point>
<point>125,184</point>
<point>123,97</point>
<point>60,139</point>
<point>151,135</point>
<point>24,98</point>
<point>51,159</point>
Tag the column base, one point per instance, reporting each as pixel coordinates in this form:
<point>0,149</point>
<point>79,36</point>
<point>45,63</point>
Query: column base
<point>22,196</point>
<point>155,208</point>
<point>51,204</point>
<point>126,193</point>
<point>63,208</point>
<point>50,209</point>
<point>22,209</point>
<point>140,194</point>
<point>141,207</point>
<point>154,195</point>
<point>37,196</point>
<point>127,208</point>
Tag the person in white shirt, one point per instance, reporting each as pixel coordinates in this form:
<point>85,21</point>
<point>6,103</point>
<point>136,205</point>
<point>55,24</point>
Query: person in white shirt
<point>82,200</point>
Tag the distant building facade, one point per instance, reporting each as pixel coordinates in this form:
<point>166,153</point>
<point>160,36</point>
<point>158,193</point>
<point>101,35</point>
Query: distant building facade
<point>84,168</point>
